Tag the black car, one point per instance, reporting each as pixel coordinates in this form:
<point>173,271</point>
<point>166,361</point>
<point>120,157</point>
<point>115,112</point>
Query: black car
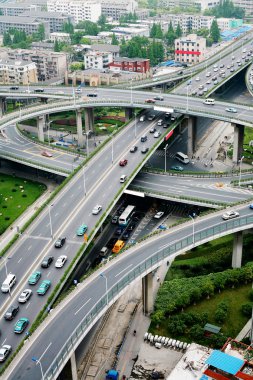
<point>133,149</point>
<point>92,95</point>
<point>118,231</point>
<point>110,244</point>
<point>60,242</point>
<point>11,312</point>
<point>115,219</point>
<point>126,235</point>
<point>158,97</point>
<point>47,261</point>
<point>14,88</point>
<point>39,90</point>
<point>144,150</point>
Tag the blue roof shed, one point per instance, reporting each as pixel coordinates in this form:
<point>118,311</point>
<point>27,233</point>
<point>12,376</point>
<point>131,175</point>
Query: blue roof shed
<point>225,362</point>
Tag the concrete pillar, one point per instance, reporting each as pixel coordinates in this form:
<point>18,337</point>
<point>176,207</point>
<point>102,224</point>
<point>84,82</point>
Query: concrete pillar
<point>192,127</point>
<point>128,113</point>
<point>73,366</point>
<point>238,142</point>
<point>79,125</point>
<point>3,106</point>
<point>147,293</point>
<point>89,119</point>
<point>237,250</point>
<point>40,126</point>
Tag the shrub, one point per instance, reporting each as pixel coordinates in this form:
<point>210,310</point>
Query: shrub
<point>4,206</point>
<point>14,190</point>
<point>220,316</point>
<point>251,295</point>
<point>7,218</point>
<point>246,309</point>
<point>24,195</point>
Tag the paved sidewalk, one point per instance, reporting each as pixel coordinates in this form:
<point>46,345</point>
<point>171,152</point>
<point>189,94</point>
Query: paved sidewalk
<point>6,237</point>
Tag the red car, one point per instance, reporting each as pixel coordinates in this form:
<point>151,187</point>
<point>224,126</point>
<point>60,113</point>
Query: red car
<point>150,101</point>
<point>45,153</point>
<point>123,162</point>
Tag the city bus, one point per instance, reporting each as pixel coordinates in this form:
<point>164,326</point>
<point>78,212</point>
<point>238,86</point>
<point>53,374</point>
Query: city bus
<point>126,215</point>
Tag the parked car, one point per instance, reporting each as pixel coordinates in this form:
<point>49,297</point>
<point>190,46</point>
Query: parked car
<point>230,215</point>
<point>43,288</point>
<point>60,242</point>
<point>34,278</point>
<point>21,325</point>
<point>61,261</point>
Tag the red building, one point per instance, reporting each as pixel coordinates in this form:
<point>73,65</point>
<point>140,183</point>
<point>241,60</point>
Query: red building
<point>137,65</point>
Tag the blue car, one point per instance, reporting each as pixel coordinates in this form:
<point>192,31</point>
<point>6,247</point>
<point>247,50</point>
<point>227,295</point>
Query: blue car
<point>34,278</point>
<point>43,288</point>
<point>21,325</point>
<point>81,230</point>
<point>251,206</point>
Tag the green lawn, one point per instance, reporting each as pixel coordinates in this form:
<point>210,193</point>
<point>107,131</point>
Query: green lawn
<point>16,194</point>
<point>235,319</point>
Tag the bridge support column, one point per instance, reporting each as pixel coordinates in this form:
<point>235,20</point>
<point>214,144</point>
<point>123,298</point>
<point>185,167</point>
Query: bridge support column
<point>147,294</point>
<point>40,126</point>
<point>73,366</point>
<point>79,125</point>
<point>237,250</point>
<point>192,127</point>
<point>238,142</point>
<point>3,106</point>
<point>89,119</point>
<point>128,113</point>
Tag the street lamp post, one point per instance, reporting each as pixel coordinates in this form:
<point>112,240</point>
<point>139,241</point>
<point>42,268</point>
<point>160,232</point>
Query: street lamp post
<point>193,228</point>
<point>48,127</point>
<point>132,91</point>
<point>84,182</point>
<point>106,287</point>
<point>134,124</point>
<point>187,98</point>
<point>50,220</point>
<point>240,172</point>
<point>165,158</point>
<point>37,361</point>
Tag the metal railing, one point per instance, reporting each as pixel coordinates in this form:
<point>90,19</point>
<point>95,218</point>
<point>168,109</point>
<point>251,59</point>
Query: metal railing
<point>146,266</point>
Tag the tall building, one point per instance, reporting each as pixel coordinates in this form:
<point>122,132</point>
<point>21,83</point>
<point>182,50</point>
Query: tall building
<point>117,8</point>
<point>17,72</point>
<point>187,22</point>
<point>247,5</point>
<point>97,60</point>
<point>80,10</point>
<point>200,4</point>
<point>29,25</point>
<point>55,19</point>
<point>190,49</point>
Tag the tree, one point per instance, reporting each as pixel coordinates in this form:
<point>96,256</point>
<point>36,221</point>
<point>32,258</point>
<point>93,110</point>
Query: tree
<point>246,309</point>
<point>41,32</point>
<point>7,39</point>
<point>57,46</point>
<point>68,27</point>
<point>114,40</point>
<point>102,21</point>
<point>214,31</point>
<point>153,31</point>
<point>178,31</point>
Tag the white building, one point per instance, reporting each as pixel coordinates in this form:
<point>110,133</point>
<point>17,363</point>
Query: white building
<point>17,72</point>
<point>187,22</point>
<point>247,5</point>
<point>80,10</point>
<point>117,8</point>
<point>129,32</point>
<point>97,60</point>
<point>60,37</point>
<point>190,49</point>
<point>201,4</point>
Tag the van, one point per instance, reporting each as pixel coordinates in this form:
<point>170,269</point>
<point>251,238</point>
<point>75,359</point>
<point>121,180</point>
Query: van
<point>8,283</point>
<point>182,158</point>
<point>144,138</point>
<point>160,122</point>
<point>103,251</point>
<point>118,246</point>
<point>209,101</point>
<point>123,178</point>
<point>143,118</point>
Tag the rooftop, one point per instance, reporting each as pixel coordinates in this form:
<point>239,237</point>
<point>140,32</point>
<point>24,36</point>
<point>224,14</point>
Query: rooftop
<point>225,362</point>
<point>19,19</point>
<point>106,47</point>
<point>126,59</point>
<point>44,14</point>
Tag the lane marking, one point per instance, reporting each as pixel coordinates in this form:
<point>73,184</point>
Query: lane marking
<point>82,306</point>
<point>44,353</point>
<point>28,305</point>
<point>19,260</point>
<point>118,274</point>
<point>28,249</point>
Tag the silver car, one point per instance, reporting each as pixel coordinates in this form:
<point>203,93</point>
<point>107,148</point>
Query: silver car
<point>5,350</point>
<point>96,209</point>
<point>25,295</point>
<point>230,215</point>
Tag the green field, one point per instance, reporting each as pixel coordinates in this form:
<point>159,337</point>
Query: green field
<point>16,194</point>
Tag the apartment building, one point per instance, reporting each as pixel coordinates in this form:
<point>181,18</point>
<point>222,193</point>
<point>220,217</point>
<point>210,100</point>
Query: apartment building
<point>49,64</point>
<point>15,9</point>
<point>247,5</point>
<point>97,60</point>
<point>113,49</point>
<point>55,19</point>
<point>200,4</point>
<point>116,8</point>
<point>80,10</point>
<point>29,25</point>
<point>228,23</point>
<point>129,32</point>
<point>190,49</point>
<point>189,22</point>
<point>60,37</point>
<point>17,72</point>
<point>140,65</point>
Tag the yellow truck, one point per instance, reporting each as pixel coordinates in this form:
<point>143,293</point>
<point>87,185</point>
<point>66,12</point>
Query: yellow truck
<point>118,246</point>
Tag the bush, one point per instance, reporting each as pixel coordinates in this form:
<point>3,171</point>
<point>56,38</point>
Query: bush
<point>7,218</point>
<point>14,190</point>
<point>4,206</point>
<point>246,309</point>
<point>24,195</point>
<point>220,316</point>
<point>251,295</point>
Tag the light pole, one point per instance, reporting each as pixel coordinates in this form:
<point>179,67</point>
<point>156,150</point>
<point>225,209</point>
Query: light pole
<point>187,99</point>
<point>240,172</point>
<point>37,361</point>
<point>84,182</point>
<point>165,161</point>
<point>132,91</point>
<point>50,220</point>
<point>48,127</point>
<point>193,228</point>
<point>134,124</point>
<point>106,287</point>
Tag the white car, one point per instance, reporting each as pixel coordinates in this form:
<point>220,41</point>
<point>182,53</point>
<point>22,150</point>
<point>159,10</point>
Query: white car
<point>197,79</point>
<point>230,215</point>
<point>157,134</point>
<point>216,69</point>
<point>61,261</point>
<point>96,209</point>
<point>5,350</point>
<point>159,214</point>
<point>25,295</point>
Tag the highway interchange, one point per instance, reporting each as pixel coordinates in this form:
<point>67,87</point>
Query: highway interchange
<point>73,206</point>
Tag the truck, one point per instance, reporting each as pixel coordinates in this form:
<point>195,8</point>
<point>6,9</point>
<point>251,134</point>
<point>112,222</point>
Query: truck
<point>112,374</point>
<point>118,246</point>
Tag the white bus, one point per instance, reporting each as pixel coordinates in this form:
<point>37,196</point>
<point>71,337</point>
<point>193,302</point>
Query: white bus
<point>126,215</point>
<point>182,158</point>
